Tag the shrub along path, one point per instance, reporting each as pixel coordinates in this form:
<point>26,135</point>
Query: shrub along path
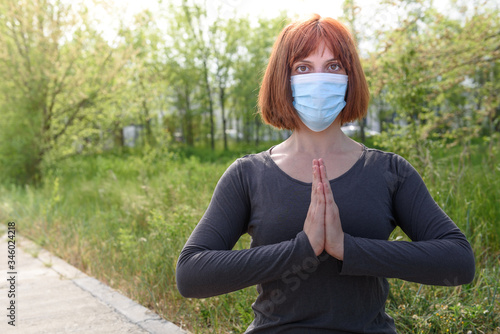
<point>47,295</point>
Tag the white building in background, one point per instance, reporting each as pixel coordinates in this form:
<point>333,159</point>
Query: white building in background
<point>372,126</point>
<point>131,134</point>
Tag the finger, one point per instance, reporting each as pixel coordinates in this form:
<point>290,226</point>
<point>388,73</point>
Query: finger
<point>326,182</point>
<point>316,171</point>
<point>331,209</point>
<point>323,173</point>
<point>316,180</point>
<point>320,201</point>
<point>317,207</point>
<point>316,163</point>
<point>314,226</point>
<point>321,163</point>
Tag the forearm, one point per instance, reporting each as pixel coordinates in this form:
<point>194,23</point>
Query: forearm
<point>447,261</point>
<point>204,273</point>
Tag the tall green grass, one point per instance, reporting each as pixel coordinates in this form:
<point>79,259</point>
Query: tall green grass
<point>124,217</point>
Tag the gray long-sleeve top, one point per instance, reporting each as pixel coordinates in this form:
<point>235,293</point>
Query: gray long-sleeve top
<point>298,291</point>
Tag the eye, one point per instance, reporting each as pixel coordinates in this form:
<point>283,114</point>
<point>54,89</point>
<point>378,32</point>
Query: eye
<point>334,67</point>
<point>301,69</point>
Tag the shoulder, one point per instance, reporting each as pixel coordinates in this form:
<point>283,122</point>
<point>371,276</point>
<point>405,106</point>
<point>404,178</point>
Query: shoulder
<point>394,168</point>
<point>254,159</point>
<point>244,172</point>
<point>252,163</point>
<point>249,165</point>
<point>390,160</point>
<point>376,155</point>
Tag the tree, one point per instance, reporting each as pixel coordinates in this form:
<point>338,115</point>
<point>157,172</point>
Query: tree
<point>249,68</point>
<point>218,60</point>
<point>144,96</point>
<point>226,38</point>
<point>351,12</point>
<point>438,76</point>
<point>57,68</point>
<point>185,73</point>
<point>194,22</point>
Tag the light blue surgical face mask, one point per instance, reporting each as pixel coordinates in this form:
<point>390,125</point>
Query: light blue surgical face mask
<point>318,98</point>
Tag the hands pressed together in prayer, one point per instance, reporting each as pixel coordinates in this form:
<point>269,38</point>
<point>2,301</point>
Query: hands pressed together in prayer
<point>322,225</point>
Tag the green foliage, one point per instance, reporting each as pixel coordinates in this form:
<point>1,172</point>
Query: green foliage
<point>426,309</point>
<point>18,144</point>
<point>56,69</point>
<point>249,69</point>
<point>124,218</point>
<point>69,91</point>
<point>434,79</point>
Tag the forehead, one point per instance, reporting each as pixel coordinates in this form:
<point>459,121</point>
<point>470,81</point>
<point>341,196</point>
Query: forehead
<point>314,44</point>
<point>321,51</point>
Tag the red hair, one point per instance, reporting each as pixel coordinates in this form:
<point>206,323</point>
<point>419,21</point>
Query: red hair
<point>297,41</point>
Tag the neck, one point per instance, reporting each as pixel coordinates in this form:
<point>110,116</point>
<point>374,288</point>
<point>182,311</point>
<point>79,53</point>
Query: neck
<point>331,140</point>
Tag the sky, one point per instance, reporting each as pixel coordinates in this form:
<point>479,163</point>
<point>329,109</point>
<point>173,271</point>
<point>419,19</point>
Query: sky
<point>372,14</point>
<point>332,8</point>
<point>264,7</point>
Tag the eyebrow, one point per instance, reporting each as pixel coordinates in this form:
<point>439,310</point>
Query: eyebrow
<point>309,62</point>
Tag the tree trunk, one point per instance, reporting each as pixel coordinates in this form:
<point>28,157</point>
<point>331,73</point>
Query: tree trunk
<point>210,105</point>
<point>223,112</point>
<point>189,119</point>
<point>257,128</point>
<point>118,135</point>
<point>362,124</point>
<point>150,140</point>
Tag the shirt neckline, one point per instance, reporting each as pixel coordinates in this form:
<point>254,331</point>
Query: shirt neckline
<point>267,156</point>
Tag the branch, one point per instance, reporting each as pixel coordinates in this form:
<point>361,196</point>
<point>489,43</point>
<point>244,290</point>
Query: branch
<point>80,105</point>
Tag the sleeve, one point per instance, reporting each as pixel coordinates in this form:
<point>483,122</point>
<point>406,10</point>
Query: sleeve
<point>439,253</point>
<point>207,265</point>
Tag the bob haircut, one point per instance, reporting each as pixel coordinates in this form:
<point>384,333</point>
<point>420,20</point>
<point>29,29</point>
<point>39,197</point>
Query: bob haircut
<point>297,41</point>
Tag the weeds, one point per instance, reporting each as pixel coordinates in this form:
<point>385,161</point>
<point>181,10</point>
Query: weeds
<point>124,219</point>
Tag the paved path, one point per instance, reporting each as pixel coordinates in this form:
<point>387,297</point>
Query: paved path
<point>52,296</point>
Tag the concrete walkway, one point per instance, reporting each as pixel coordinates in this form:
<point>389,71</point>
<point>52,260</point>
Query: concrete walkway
<point>52,296</point>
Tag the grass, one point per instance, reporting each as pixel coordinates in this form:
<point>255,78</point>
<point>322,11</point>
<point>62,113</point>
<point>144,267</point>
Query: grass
<point>123,218</point>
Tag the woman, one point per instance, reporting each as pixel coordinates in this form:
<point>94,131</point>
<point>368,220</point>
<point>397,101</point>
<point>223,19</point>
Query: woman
<point>319,253</point>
